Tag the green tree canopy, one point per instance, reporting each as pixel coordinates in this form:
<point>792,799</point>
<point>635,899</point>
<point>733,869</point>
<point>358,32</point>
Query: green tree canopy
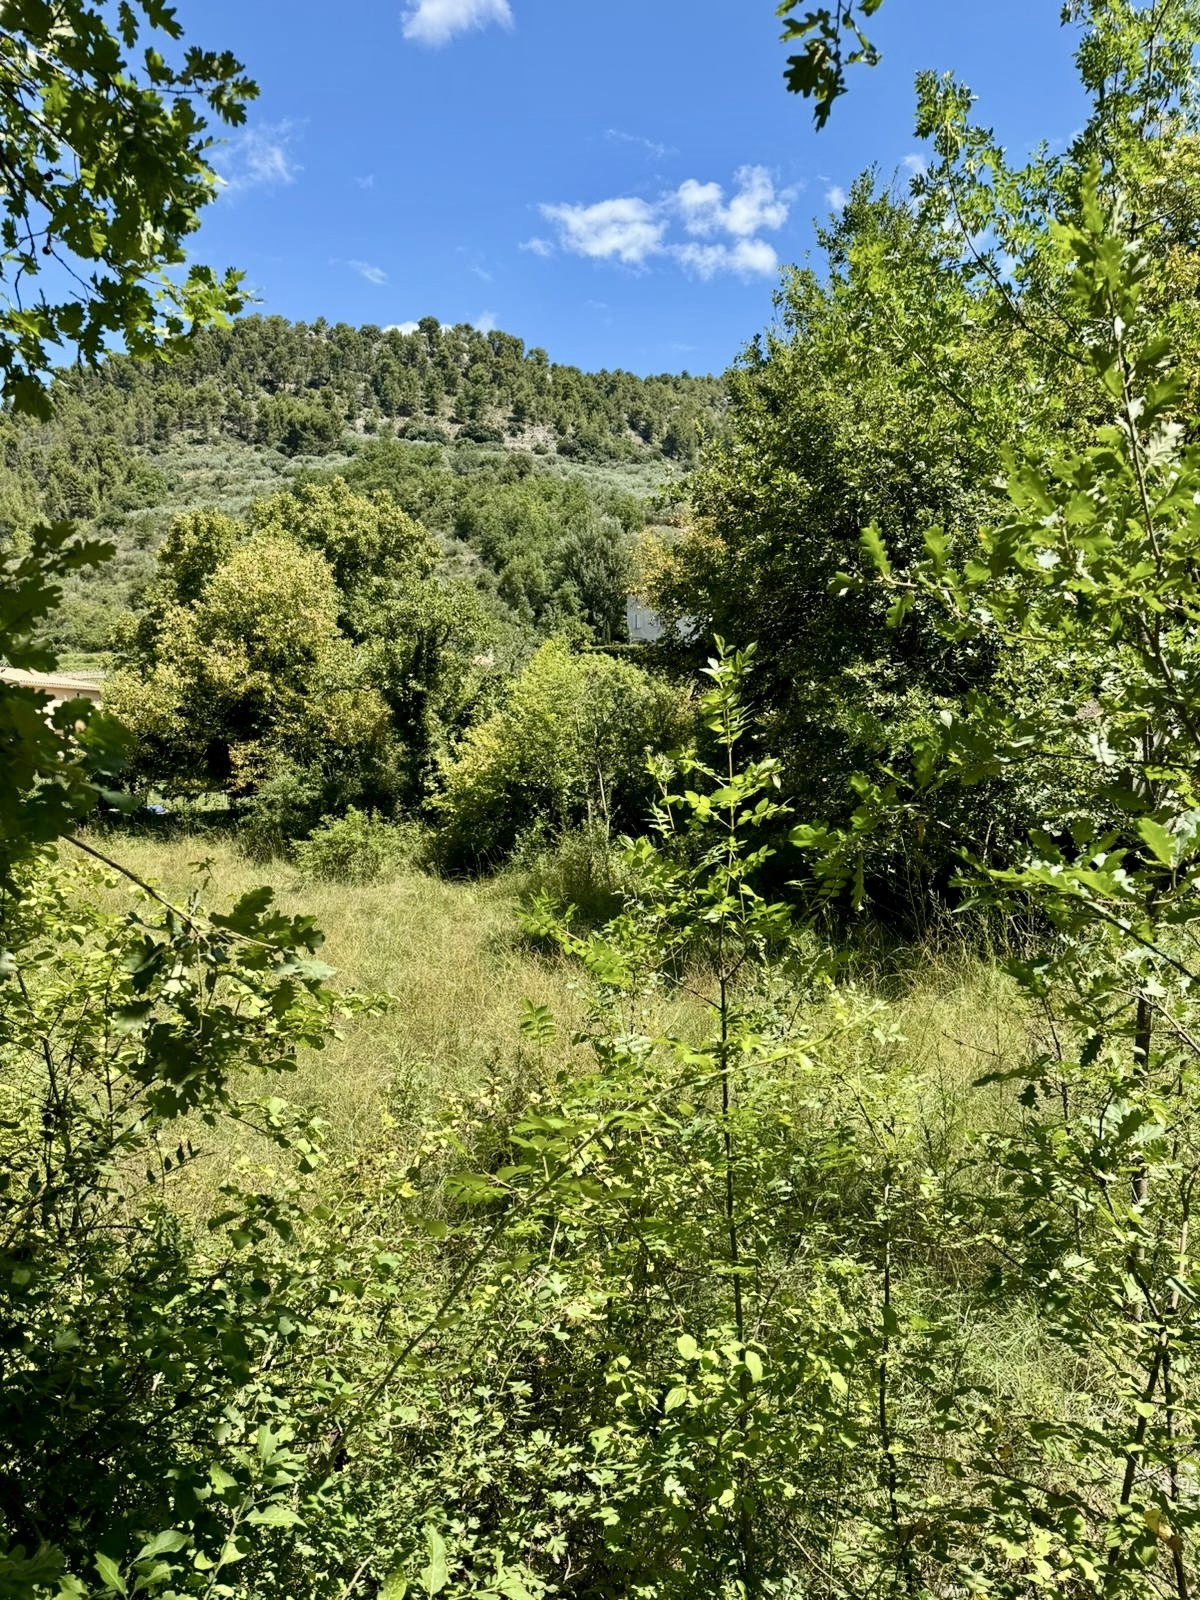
<point>238,672</point>
<point>305,659</point>
<point>371,545</point>
<point>894,389</point>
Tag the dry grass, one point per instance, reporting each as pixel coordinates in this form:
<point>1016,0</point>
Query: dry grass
<point>448,953</point>
<point>451,957</point>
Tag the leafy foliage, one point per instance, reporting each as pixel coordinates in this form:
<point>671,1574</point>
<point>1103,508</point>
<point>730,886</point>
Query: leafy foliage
<point>1090,576</point>
<point>105,171</point>
<point>354,848</point>
<point>818,72</point>
<point>52,764</point>
<point>892,395</point>
<point>567,746</point>
<point>548,549</point>
<point>106,167</point>
<point>544,538</point>
<point>143,1428</point>
<point>723,1296</point>
<point>303,660</point>
<point>123,1361</point>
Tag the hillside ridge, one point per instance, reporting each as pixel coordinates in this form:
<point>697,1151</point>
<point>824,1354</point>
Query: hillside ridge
<point>469,431</point>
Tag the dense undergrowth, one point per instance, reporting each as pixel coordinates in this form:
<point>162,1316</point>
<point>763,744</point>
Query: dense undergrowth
<point>486,1418</point>
<point>695,1230</point>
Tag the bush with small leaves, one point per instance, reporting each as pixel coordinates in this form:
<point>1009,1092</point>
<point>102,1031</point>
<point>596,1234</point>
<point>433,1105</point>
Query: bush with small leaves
<point>567,748</point>
<point>358,847</point>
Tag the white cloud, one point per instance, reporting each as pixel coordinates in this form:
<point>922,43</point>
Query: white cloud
<point>700,205</point>
<point>258,158</point>
<point>485,322</point>
<point>367,181</point>
<point>625,230</point>
<point>748,258</point>
<point>538,247</point>
<point>915,164</point>
<point>720,233</point>
<point>836,198</point>
<point>372,274</point>
<point>754,205</point>
<point>402,327</point>
<point>436,22</point>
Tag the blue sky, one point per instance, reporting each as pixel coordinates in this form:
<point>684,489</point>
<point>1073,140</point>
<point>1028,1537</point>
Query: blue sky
<point>618,183</point>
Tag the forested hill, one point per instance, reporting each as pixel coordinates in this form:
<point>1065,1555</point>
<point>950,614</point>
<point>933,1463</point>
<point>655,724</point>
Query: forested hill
<point>240,411</point>
<point>298,387</point>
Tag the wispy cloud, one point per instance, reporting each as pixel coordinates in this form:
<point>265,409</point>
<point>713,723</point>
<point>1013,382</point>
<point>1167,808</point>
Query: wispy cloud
<point>700,226</point>
<point>476,264</point>
<point>651,146</point>
<point>916,165</point>
<point>486,322</point>
<point>625,229</point>
<point>402,327</point>
<point>836,198</point>
<point>369,271</point>
<point>436,22</point>
<point>367,181</point>
<point>538,247</point>
<point>259,157</point>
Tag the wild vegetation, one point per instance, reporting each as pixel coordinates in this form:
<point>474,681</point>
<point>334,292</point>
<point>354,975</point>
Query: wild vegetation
<point>794,1196</point>
<point>534,476</point>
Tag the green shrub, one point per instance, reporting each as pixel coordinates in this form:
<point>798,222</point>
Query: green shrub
<point>482,433</point>
<point>426,432</point>
<point>567,748</point>
<point>582,870</point>
<point>282,809</point>
<point>141,1386</point>
<point>359,847</point>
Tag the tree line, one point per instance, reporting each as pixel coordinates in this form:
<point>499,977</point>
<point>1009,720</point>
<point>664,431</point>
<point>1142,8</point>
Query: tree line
<point>298,387</point>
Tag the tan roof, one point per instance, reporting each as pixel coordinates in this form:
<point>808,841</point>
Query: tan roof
<point>62,685</point>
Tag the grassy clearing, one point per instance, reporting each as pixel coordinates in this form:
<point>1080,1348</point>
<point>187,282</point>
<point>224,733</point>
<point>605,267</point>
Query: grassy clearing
<point>451,956</point>
<point>961,1019</point>
<point>449,953</point>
